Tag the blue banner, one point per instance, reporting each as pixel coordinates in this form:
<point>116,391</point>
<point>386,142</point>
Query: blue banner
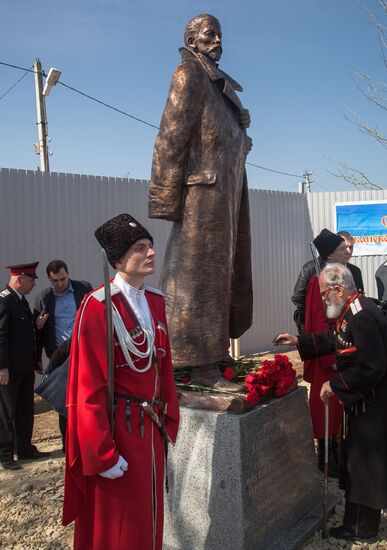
<point>367,223</point>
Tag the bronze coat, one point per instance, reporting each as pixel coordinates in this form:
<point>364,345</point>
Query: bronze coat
<point>199,182</point>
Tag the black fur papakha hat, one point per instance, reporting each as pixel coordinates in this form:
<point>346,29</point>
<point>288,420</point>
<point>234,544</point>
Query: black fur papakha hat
<point>326,242</point>
<point>118,234</point>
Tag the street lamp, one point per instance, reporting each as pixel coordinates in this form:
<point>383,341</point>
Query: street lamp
<point>41,148</point>
<point>51,80</point>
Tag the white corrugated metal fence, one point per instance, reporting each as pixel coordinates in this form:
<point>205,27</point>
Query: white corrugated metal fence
<point>46,216</point>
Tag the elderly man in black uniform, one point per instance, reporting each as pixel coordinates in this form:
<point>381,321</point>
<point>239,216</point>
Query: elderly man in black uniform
<point>17,368</point>
<point>360,343</point>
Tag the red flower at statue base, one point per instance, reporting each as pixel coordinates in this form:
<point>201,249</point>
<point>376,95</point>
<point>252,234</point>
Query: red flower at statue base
<point>229,373</point>
<point>272,378</point>
<point>186,379</point>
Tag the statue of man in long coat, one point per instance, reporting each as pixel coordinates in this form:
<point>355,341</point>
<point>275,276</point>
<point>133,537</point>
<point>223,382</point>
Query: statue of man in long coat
<point>199,182</point>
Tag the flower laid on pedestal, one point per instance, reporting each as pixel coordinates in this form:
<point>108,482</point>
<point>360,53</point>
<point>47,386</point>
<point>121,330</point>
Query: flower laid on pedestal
<point>260,381</point>
<point>229,373</point>
<point>273,378</point>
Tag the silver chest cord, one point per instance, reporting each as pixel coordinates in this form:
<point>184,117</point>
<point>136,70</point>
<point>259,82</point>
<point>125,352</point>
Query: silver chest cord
<point>128,345</point>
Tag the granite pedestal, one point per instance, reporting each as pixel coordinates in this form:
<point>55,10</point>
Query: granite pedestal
<point>243,481</point>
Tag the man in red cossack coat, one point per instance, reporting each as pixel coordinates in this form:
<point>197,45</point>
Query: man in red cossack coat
<point>114,482</point>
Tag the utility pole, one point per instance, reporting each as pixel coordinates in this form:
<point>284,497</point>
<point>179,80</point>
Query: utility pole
<point>42,145</point>
<point>307,181</point>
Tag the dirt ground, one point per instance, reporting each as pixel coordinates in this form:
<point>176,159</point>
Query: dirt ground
<point>31,498</point>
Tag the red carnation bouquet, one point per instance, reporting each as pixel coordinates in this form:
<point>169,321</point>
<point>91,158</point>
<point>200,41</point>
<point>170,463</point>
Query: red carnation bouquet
<point>272,378</point>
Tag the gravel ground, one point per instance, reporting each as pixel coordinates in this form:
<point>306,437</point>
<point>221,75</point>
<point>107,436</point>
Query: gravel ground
<point>31,498</point>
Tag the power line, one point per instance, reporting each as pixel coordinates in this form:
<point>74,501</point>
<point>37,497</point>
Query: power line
<point>275,171</point>
<point>85,95</point>
<point>14,85</point>
<point>157,127</point>
<point>108,106</point>
<point>134,117</point>
<point>326,183</point>
<point>322,186</point>
<point>20,68</point>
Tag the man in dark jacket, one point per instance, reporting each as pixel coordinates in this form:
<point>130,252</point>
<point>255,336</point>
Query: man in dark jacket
<point>360,343</point>
<point>18,363</point>
<point>56,307</point>
<point>332,248</point>
<point>356,273</point>
<point>54,313</point>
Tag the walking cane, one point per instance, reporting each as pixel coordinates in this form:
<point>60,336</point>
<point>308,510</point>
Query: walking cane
<point>325,492</point>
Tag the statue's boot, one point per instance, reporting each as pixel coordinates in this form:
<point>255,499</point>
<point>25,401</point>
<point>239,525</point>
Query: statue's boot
<point>211,377</point>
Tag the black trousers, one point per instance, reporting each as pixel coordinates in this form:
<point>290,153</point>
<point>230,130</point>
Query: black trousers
<point>16,415</point>
<point>62,428</point>
<point>362,520</point>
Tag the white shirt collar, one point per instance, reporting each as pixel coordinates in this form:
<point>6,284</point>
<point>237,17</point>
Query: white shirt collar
<point>137,300</point>
<point>127,288</point>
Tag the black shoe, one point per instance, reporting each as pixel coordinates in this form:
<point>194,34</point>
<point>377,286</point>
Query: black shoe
<point>346,534</point>
<point>33,455</point>
<point>10,465</point>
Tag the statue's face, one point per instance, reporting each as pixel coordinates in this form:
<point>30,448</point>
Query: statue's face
<point>208,40</point>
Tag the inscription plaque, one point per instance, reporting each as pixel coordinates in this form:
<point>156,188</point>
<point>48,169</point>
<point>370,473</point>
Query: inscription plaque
<point>244,482</point>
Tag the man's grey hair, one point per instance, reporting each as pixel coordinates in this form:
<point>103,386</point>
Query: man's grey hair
<point>193,26</point>
<point>338,274</point>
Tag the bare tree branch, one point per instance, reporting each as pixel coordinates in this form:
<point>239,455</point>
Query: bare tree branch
<point>375,92</point>
<point>354,176</point>
<point>380,27</point>
<point>365,127</point>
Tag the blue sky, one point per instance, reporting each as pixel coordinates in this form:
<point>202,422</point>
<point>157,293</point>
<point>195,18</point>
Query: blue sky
<point>292,57</point>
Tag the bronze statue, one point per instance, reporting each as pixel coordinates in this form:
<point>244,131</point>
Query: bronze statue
<point>199,182</point>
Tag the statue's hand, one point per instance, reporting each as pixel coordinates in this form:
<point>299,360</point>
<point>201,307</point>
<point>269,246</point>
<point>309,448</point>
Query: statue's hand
<point>249,144</point>
<point>244,119</point>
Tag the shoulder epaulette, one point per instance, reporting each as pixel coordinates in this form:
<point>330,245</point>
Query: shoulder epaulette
<point>356,306</point>
<point>99,294</point>
<point>154,290</point>
<point>4,293</point>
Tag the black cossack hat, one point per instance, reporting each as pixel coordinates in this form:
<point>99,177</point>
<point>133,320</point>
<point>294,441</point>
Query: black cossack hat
<point>326,242</point>
<point>118,234</point>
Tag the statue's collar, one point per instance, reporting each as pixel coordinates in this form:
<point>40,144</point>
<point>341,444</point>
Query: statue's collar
<point>211,68</point>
